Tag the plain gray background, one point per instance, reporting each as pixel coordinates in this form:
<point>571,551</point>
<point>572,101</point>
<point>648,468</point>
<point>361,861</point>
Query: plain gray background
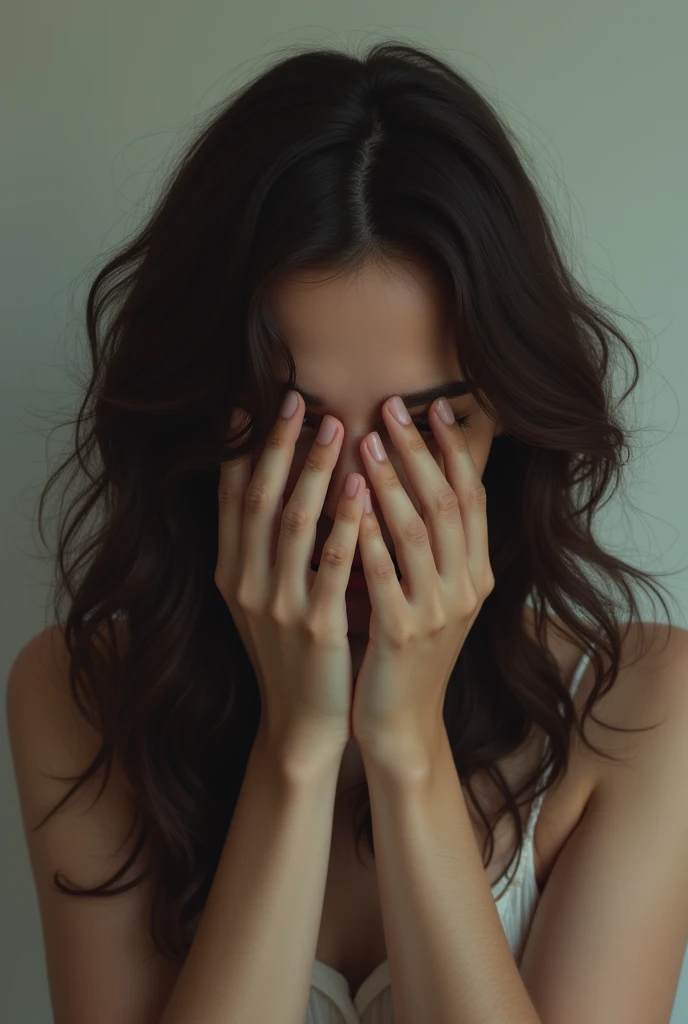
<point>97,96</point>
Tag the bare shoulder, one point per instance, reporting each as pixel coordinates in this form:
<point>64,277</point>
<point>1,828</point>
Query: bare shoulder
<point>51,744</point>
<point>37,691</point>
<point>45,727</point>
<point>43,719</point>
<point>652,683</point>
<point>654,692</point>
<point>649,694</point>
<point>608,937</point>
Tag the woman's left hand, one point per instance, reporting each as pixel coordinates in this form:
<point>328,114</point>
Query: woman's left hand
<point>418,624</point>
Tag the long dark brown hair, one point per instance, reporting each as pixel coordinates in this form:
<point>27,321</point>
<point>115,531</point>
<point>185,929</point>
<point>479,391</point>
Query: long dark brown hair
<point>327,160</point>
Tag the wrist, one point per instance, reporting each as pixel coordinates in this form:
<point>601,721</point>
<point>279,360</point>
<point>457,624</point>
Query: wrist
<point>302,752</point>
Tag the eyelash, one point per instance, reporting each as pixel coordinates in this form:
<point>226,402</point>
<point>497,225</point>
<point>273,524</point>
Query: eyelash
<point>463,421</point>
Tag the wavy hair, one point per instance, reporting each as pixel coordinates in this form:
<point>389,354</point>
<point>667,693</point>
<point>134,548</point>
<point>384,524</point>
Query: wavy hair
<point>326,160</point>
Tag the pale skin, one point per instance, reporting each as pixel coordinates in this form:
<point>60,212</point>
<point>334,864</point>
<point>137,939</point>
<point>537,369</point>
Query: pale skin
<point>609,933</point>
<point>391,327</point>
<point>356,340</point>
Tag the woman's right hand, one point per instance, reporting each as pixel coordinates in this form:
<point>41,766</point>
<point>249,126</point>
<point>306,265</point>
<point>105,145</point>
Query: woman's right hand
<point>295,633</point>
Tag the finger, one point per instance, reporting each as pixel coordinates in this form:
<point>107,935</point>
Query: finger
<point>467,484</point>
<point>437,497</point>
<point>264,496</point>
<point>388,595</point>
<point>410,534</point>
<point>301,513</point>
<point>329,589</point>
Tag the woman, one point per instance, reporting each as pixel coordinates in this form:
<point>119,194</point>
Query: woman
<point>243,705</point>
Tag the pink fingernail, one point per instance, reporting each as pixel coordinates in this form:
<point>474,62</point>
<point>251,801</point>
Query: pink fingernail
<point>328,428</point>
<point>289,405</point>
<point>351,485</point>
<point>375,446</point>
<point>399,411</point>
<point>444,410</point>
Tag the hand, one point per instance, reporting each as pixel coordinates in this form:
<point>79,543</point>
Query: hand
<point>418,625</point>
<point>293,621</point>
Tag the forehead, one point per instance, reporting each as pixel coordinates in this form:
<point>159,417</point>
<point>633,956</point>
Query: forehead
<point>379,331</point>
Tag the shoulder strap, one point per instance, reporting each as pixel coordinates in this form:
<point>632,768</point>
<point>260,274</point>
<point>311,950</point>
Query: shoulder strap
<point>583,662</point>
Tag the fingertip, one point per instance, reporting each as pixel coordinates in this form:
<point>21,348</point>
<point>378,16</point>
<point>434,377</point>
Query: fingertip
<point>352,486</point>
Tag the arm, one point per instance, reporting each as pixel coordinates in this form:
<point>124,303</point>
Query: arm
<point>609,933</point>
<point>252,955</point>
<point>449,958</point>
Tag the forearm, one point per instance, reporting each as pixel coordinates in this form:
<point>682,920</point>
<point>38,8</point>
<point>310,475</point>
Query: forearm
<point>252,956</point>
<point>449,957</point>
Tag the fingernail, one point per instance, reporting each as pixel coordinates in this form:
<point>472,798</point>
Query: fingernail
<point>328,428</point>
<point>444,410</point>
<point>351,485</point>
<point>398,410</point>
<point>289,405</point>
<point>375,446</point>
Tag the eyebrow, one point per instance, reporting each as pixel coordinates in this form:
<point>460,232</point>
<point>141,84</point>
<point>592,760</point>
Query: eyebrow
<point>425,396</point>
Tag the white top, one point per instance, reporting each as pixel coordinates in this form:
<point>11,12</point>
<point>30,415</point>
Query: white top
<point>330,1000</point>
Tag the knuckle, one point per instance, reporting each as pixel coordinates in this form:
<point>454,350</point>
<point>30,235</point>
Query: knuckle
<point>317,625</point>
<point>334,555</point>
<point>279,608</point>
<point>312,628</point>
<point>400,633</point>
<point>416,532</point>
<point>257,497</point>
<point>295,518</point>
<point>316,460</point>
<point>384,572</point>
<point>458,441</point>
<point>417,443</point>
<point>447,504</point>
<point>346,514</point>
<point>228,496</point>
<point>246,596</point>
<point>369,528</point>
<point>468,602</point>
<point>438,621</point>
<point>221,581</point>
<point>388,481</point>
<point>477,494</point>
<point>278,437</point>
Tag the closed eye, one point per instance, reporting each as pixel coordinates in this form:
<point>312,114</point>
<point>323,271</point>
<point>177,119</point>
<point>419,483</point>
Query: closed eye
<point>423,424</point>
